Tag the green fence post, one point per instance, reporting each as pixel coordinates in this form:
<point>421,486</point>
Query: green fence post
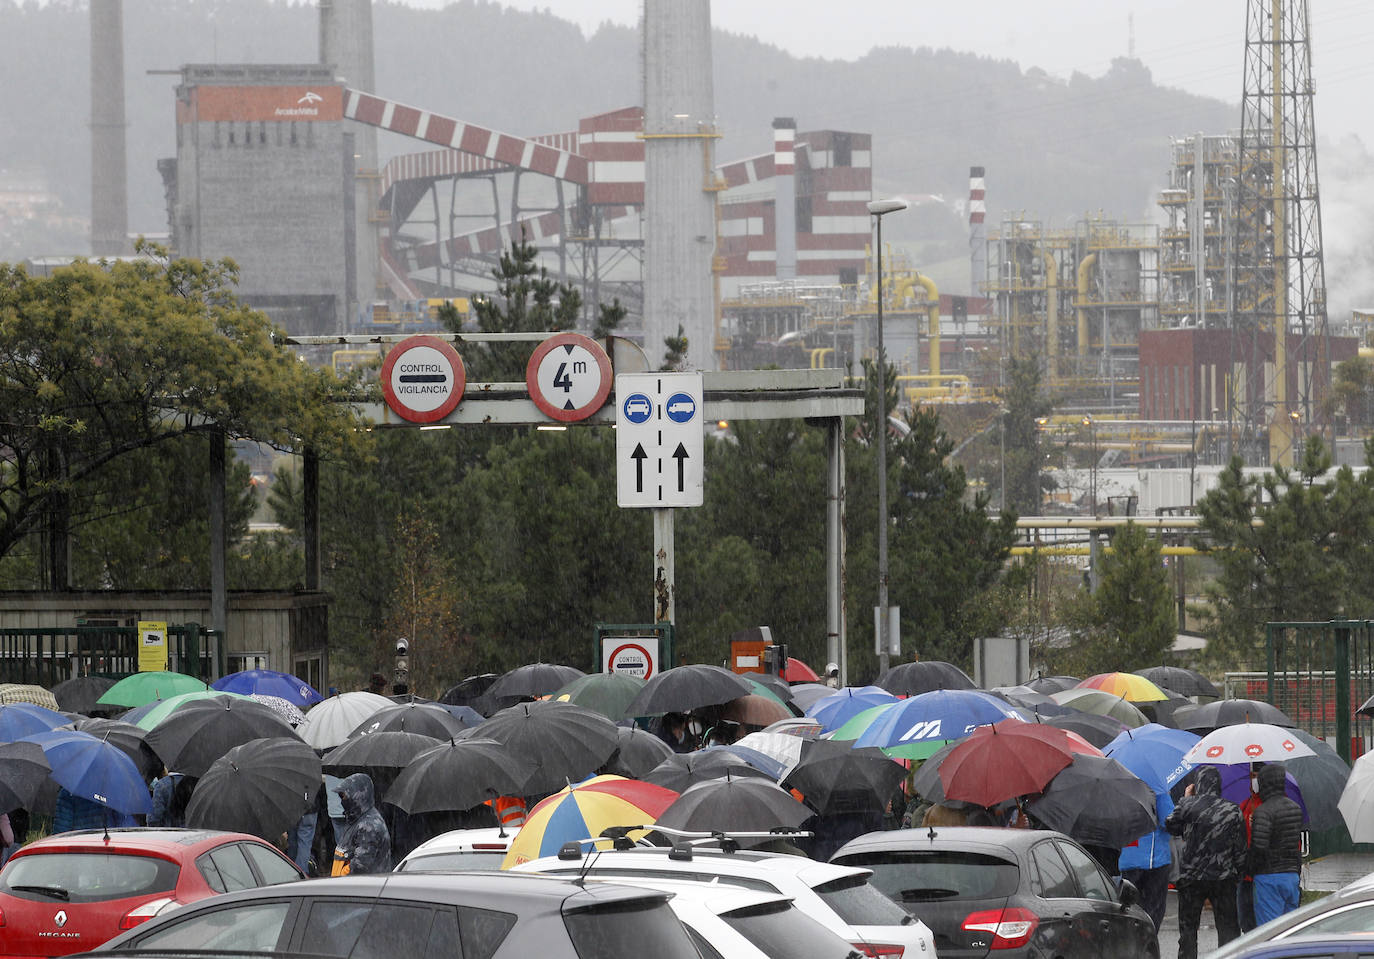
<point>1343,691</point>
<point>190,648</point>
<point>1269,659</point>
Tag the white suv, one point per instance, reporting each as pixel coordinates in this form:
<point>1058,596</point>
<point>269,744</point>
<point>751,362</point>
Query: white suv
<point>838,897</point>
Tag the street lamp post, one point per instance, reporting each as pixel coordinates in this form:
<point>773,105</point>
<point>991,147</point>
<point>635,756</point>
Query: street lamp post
<point>1092,472</point>
<point>878,209</point>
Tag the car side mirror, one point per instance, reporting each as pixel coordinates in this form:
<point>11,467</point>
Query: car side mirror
<point>1127,893</point>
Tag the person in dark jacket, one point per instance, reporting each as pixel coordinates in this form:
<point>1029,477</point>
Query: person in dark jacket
<point>1213,834</point>
<point>364,844</point>
<point>1275,846</point>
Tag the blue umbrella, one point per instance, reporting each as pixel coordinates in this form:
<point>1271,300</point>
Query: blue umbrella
<point>93,769</point>
<point>269,682</point>
<point>917,727</point>
<point>18,720</point>
<point>839,707</point>
<point>1154,753</point>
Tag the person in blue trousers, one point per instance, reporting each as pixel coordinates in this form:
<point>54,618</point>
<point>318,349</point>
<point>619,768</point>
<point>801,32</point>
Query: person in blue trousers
<point>1275,846</point>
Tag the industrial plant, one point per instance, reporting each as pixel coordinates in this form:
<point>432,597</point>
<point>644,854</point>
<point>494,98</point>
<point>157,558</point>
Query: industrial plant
<point>1199,335</point>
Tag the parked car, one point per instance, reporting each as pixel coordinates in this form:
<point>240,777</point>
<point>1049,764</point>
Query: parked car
<point>1018,892</point>
<point>71,892</point>
<point>458,850</point>
<point>1348,910</point>
<point>838,897</point>
<point>475,915</point>
<point>1353,945</point>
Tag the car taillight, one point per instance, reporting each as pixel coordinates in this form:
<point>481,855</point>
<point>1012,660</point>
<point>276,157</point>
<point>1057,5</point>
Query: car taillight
<point>490,846</point>
<point>1011,927</point>
<point>146,911</point>
<point>880,950</point>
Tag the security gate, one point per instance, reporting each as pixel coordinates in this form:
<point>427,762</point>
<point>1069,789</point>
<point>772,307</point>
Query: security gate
<point>1319,674</point>
<point>46,657</point>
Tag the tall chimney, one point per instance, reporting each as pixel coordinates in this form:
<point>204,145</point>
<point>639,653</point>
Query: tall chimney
<point>977,232</point>
<point>109,174</point>
<point>785,196</point>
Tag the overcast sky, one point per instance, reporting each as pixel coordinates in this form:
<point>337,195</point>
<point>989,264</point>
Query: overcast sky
<point>1197,45</point>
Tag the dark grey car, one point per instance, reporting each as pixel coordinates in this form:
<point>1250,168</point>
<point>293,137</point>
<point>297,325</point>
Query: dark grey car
<point>399,916</point>
<point>1013,892</point>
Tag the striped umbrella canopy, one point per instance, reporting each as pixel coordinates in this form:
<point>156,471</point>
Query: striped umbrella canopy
<point>582,811</point>
<point>25,693</point>
<point>1129,686</point>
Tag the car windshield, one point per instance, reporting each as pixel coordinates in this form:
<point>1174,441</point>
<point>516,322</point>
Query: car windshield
<point>450,861</point>
<point>781,931</point>
<point>78,877</point>
<point>859,904</point>
<point>629,930</point>
<point>909,876</point>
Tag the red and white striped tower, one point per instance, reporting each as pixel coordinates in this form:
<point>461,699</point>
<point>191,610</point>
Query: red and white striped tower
<point>977,232</point>
<point>785,197</point>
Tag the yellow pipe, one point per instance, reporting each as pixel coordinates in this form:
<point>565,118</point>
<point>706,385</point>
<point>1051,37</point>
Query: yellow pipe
<point>818,357</point>
<point>1085,268</point>
<point>1087,550</point>
<point>933,319</point>
<point>1051,314</point>
<point>1281,431</point>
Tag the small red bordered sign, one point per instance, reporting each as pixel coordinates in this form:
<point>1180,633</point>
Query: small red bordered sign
<point>569,377</point>
<point>631,659</point>
<point>423,379</point>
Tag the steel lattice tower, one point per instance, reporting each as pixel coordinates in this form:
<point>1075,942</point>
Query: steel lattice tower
<point>1280,279</point>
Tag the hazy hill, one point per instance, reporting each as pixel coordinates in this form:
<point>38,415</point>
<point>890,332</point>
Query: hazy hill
<point>1054,148</point>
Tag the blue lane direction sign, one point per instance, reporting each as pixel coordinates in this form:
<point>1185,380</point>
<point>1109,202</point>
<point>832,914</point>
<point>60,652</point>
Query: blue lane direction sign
<point>659,439</point>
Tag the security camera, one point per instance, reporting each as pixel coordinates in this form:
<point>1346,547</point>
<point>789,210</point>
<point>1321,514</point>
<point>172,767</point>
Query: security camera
<point>402,646</point>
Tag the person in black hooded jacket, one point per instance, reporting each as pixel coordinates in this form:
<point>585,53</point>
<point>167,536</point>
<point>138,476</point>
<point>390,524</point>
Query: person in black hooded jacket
<point>1275,846</point>
<point>364,844</point>
<point>1213,833</point>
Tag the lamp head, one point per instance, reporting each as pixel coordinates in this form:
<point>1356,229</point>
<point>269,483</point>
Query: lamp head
<point>879,207</point>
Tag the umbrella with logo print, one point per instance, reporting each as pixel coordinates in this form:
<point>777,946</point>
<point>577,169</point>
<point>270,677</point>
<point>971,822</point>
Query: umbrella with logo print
<point>1247,743</point>
<point>916,728</point>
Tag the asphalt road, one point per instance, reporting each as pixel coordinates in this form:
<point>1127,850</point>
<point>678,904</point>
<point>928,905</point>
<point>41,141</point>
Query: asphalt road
<point>1168,932</point>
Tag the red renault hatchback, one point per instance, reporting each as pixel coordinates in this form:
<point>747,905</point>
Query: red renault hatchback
<point>73,891</point>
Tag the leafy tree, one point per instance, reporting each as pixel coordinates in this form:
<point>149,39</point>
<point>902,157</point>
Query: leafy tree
<point>1025,403</point>
<point>675,351</point>
<point>424,605</point>
<point>102,359</point>
<point>1352,392</point>
<point>1308,559</point>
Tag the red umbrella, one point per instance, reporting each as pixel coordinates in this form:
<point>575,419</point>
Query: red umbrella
<point>797,671</point>
<point>1005,760</point>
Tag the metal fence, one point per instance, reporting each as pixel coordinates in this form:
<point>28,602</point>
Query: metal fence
<point>47,656</point>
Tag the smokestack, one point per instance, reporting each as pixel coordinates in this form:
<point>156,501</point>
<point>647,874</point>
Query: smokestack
<point>109,176</point>
<point>785,196</point>
<point>977,232</point>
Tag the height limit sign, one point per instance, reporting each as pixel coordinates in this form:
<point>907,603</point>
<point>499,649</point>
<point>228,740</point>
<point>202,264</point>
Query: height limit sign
<point>659,439</point>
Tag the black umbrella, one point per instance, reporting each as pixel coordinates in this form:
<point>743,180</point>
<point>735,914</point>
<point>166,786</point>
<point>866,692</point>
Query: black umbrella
<point>424,719</point>
<point>1097,800</point>
<point>564,743</point>
<point>1165,712</point>
<point>203,730</point>
<point>23,772</point>
<point>382,755</point>
<point>832,774</point>
<point>464,693</point>
<point>127,738</point>
<point>1321,778</point>
<point>742,805</point>
<point>1185,682</point>
<point>1228,712</point>
<point>533,680</point>
<point>681,771</point>
<point>457,775</point>
<point>1098,730</point>
<point>261,787</point>
<point>639,752</point>
<point>1053,684</point>
<point>912,679</point>
<point>79,695</point>
<point>684,688</point>
<point>776,684</point>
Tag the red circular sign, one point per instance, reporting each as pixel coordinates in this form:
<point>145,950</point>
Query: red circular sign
<point>631,659</point>
<point>423,378</point>
<point>569,377</point>
<point>1214,751</point>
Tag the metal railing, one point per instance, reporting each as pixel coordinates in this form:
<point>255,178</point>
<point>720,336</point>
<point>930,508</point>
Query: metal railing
<point>47,656</point>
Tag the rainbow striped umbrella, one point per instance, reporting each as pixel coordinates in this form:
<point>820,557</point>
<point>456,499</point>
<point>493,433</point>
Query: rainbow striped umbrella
<point>582,811</point>
<point>1133,688</point>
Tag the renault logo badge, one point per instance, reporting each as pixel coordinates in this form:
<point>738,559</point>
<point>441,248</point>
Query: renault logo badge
<point>60,918</point>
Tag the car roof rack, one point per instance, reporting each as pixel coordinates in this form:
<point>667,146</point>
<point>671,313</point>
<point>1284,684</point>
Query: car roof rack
<point>683,841</point>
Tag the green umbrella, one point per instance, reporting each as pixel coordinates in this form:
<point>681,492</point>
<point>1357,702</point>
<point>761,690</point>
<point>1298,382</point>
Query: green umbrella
<point>141,688</point>
<point>1102,704</point>
<point>607,693</point>
<point>763,689</point>
<point>860,722</point>
<point>165,707</point>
